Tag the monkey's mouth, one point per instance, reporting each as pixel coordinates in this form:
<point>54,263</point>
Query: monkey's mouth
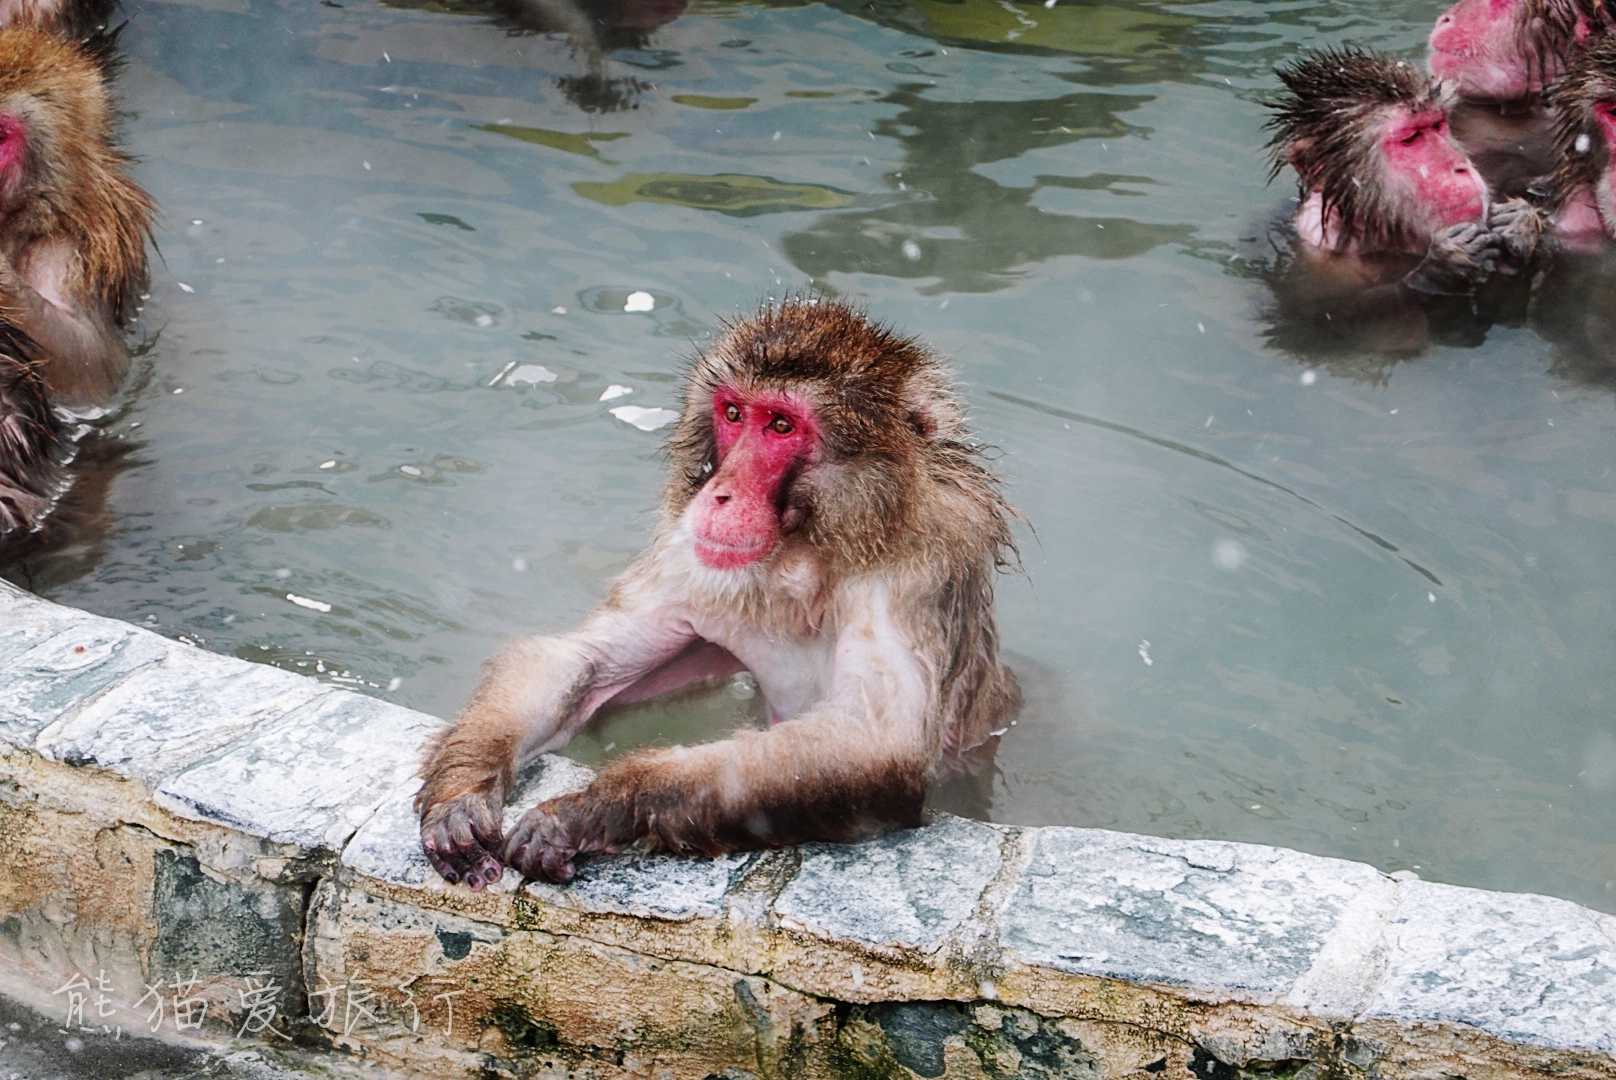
<point>723,555</point>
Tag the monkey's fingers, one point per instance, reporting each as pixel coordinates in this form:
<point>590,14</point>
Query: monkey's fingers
<point>460,837</point>
<point>540,846</point>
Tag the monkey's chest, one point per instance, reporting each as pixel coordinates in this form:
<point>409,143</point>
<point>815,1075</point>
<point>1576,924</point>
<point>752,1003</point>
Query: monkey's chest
<point>794,675</point>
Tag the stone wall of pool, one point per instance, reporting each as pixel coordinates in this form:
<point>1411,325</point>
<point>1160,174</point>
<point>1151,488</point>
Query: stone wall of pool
<point>198,846</point>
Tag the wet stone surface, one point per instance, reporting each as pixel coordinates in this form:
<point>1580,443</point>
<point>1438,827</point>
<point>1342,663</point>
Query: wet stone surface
<point>64,671</point>
<point>1530,968</point>
<point>1186,913</point>
<point>162,719</point>
<point>311,778</point>
<point>909,888</point>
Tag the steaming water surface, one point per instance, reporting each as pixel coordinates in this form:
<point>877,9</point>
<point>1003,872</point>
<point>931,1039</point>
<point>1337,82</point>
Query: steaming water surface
<point>1355,605</point>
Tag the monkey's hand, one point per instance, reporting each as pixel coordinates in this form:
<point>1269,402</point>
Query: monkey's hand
<point>461,835</point>
<point>552,834</point>
<point>1519,226</point>
<point>1460,257</point>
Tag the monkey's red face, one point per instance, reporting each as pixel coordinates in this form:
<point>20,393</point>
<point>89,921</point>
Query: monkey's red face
<point>763,439</point>
<point>13,144</point>
<point>1427,173</point>
<point>1477,45</point>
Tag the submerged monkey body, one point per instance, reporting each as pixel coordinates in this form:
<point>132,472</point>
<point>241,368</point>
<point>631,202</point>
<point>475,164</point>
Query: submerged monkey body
<point>826,526</point>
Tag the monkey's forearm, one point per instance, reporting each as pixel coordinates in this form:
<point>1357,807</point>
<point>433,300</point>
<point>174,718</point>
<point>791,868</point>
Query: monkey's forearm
<point>820,777</point>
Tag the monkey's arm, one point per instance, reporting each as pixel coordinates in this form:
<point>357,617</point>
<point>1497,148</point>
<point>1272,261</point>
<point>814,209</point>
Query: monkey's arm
<point>535,695</point>
<point>857,761</point>
<point>80,351</point>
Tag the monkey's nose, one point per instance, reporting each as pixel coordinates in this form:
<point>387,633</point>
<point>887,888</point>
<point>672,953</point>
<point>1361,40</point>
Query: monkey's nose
<point>1444,19</point>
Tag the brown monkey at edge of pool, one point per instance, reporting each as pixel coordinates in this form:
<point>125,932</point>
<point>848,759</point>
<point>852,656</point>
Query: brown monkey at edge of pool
<point>1392,214</point>
<point>828,526</point>
<point>73,232</point>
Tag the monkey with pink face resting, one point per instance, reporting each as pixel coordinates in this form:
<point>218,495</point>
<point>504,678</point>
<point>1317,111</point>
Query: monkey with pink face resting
<point>1391,212</point>
<point>828,526</point>
<point>1582,189</point>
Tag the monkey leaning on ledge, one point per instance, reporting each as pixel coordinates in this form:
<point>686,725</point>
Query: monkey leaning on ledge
<point>828,526</point>
<point>73,232</point>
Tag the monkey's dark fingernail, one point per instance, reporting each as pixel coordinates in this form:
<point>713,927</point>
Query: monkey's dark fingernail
<point>450,876</point>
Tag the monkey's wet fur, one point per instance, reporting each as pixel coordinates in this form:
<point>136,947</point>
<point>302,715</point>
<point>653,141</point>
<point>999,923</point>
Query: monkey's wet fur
<point>73,233</point>
<point>829,525</point>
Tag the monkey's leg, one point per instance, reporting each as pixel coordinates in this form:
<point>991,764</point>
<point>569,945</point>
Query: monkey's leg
<point>858,761</point>
<point>534,697</point>
<point>80,353</point>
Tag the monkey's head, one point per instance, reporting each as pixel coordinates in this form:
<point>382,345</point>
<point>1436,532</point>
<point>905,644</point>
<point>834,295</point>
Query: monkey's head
<point>1369,135</point>
<point>1504,50</point>
<point>810,424</point>
<point>52,96</point>
<point>1584,100</point>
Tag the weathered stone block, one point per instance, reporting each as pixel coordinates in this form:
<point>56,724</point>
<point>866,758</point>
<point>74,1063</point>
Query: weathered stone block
<point>1230,917</point>
<point>1529,969</point>
<point>66,670</point>
<point>310,778</point>
<point>164,717</point>
<point>221,928</point>
<point>910,888</point>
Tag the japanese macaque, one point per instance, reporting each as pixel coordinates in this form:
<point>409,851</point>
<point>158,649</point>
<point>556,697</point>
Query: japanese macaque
<point>1392,213</point>
<point>73,231</point>
<point>1509,50</point>
<point>1582,189</point>
<point>828,526</point>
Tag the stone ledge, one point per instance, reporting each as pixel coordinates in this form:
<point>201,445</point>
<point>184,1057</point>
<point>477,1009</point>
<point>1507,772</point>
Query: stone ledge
<point>208,827</point>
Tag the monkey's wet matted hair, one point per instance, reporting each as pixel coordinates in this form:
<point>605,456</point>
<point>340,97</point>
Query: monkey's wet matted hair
<point>1325,126</point>
<point>30,438</point>
<point>1546,30</point>
<point>1581,151</point>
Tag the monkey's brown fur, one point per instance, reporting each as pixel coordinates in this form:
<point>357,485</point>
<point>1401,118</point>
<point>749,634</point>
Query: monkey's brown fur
<point>78,188</point>
<point>30,434</point>
<point>1589,80</point>
<point>1551,32</point>
<point>897,529</point>
<point>1327,126</point>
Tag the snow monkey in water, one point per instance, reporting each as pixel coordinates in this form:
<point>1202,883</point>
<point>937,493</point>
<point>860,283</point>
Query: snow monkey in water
<point>1379,176</point>
<point>1509,50</point>
<point>1582,189</point>
<point>828,526</point>
<point>73,231</point>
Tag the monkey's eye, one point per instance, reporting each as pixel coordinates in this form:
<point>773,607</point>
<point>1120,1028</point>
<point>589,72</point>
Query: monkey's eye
<point>1413,138</point>
<point>780,426</point>
<point>732,414</point>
